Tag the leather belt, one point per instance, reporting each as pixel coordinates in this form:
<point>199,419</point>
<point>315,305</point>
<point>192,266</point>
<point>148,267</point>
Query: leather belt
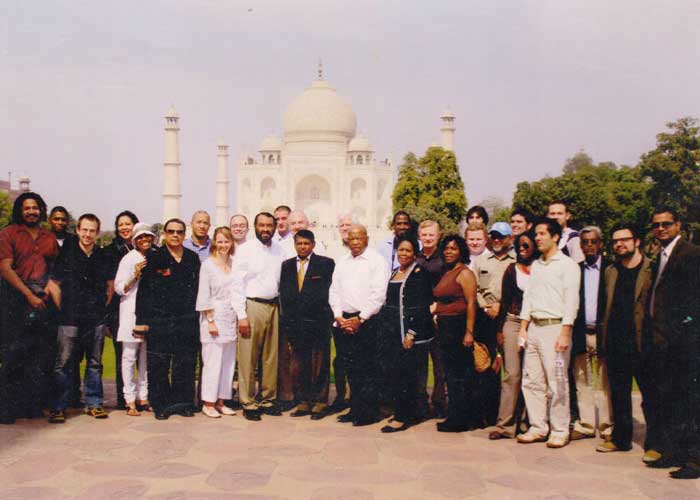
<point>271,302</point>
<point>546,321</point>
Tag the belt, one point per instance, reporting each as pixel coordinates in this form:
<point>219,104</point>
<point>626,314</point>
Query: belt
<point>546,321</point>
<point>272,302</point>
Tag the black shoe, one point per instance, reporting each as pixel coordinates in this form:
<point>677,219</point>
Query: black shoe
<point>161,415</point>
<point>253,415</point>
<point>361,422</point>
<point>451,426</point>
<point>665,462</point>
<point>300,413</point>
<point>272,410</point>
<point>345,418</point>
<point>285,405</point>
<point>7,420</point>
<point>686,472</point>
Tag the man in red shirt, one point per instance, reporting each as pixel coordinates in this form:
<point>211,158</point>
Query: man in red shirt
<point>27,252</point>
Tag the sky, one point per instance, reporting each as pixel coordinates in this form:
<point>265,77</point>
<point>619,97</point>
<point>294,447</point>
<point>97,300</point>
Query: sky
<point>85,86</point>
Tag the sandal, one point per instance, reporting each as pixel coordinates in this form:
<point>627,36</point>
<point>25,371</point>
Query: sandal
<point>132,411</point>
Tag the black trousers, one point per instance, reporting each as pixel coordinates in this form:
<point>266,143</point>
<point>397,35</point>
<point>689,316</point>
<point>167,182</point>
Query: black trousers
<point>25,357</point>
<point>340,371</point>
<point>172,359</point>
<point>113,325</point>
<point>358,353</point>
<point>623,365</point>
<point>461,378</point>
<point>311,351</point>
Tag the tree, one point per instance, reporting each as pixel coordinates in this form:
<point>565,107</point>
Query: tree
<point>5,209</point>
<point>673,168</point>
<point>602,194</point>
<point>431,187</point>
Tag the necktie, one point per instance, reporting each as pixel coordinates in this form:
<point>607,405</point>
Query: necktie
<point>301,272</point>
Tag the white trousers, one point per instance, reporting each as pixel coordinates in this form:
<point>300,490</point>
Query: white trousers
<point>585,377</point>
<point>134,371</point>
<point>547,399</point>
<point>219,362</point>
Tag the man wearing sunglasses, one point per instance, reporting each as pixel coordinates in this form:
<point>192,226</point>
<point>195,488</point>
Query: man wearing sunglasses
<point>166,317</point>
<point>674,310</point>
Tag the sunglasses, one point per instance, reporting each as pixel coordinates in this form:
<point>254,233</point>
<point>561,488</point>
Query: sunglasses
<point>665,224</point>
<point>175,231</point>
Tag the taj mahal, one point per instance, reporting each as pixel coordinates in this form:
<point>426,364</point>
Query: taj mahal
<point>320,165</point>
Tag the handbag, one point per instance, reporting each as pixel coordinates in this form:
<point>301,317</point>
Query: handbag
<point>482,358</point>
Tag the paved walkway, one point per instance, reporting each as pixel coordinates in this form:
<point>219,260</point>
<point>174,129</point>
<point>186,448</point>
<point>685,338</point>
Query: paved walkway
<point>287,458</point>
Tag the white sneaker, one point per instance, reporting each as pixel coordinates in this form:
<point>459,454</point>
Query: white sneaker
<point>225,410</point>
<point>210,412</point>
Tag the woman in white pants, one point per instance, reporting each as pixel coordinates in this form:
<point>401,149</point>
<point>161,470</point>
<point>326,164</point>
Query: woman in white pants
<point>126,284</point>
<point>218,284</point>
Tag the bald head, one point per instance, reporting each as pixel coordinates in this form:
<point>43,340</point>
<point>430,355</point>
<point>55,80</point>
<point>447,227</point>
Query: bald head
<point>357,239</point>
<point>297,220</point>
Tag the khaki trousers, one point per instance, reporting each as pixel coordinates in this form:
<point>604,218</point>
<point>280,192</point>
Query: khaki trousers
<point>546,398</point>
<point>262,344</point>
<point>512,376</point>
<point>584,374</point>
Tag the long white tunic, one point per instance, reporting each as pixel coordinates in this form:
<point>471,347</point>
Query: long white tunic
<point>218,290</point>
<point>127,302</point>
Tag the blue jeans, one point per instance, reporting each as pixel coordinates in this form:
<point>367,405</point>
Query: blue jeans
<point>69,339</point>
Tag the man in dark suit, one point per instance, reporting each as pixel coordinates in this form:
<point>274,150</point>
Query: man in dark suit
<point>585,342</point>
<point>305,319</point>
<point>674,308</point>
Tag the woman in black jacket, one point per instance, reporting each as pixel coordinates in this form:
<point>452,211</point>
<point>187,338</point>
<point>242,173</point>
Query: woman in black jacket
<point>407,325</point>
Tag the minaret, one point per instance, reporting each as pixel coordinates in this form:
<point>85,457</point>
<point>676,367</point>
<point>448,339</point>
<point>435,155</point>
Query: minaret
<point>171,167</point>
<point>448,130</point>
<point>222,184</point>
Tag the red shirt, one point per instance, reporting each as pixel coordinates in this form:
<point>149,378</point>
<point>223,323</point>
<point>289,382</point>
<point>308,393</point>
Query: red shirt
<point>31,259</point>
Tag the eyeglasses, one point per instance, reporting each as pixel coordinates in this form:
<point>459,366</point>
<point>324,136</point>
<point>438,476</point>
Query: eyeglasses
<point>615,241</point>
<point>179,232</point>
<point>665,224</point>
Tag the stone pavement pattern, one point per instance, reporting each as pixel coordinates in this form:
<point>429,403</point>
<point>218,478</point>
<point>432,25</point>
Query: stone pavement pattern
<point>290,458</point>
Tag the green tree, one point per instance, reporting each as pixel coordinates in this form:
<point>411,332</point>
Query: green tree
<point>5,209</point>
<point>673,168</point>
<point>431,187</point>
<point>602,194</point>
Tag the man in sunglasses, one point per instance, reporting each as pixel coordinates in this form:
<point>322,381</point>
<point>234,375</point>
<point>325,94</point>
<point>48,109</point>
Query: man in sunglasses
<point>166,317</point>
<point>674,310</point>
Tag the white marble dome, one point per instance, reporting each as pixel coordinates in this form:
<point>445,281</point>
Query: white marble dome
<point>318,113</point>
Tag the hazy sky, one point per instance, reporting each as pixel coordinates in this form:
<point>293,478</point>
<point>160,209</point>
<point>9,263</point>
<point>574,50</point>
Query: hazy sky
<point>85,85</point>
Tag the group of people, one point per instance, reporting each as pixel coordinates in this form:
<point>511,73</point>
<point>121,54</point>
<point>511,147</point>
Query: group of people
<point>526,324</point>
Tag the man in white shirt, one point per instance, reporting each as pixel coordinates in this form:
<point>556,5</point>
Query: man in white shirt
<point>569,243</point>
<point>260,262</point>
<point>357,293</point>
<point>282,220</point>
<point>550,305</point>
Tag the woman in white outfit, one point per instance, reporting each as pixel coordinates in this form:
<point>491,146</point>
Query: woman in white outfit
<point>126,285</point>
<point>218,284</point>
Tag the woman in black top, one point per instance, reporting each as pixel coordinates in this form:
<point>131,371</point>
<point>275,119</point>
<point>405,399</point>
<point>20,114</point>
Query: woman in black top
<point>406,325</point>
<point>121,245</point>
<point>515,280</point>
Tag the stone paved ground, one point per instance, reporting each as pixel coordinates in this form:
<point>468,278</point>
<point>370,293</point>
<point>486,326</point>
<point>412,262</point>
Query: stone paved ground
<point>288,458</point>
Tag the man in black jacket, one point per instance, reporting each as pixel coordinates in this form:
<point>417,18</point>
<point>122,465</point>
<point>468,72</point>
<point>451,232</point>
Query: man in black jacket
<point>585,342</point>
<point>305,319</point>
<point>674,308</point>
<point>166,316</point>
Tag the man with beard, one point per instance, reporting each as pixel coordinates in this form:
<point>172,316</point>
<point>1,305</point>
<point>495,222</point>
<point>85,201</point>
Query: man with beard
<point>357,293</point>
<point>166,317</point>
<point>260,262</point>
<point>400,224</point>
<point>622,343</point>
<point>27,252</point>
